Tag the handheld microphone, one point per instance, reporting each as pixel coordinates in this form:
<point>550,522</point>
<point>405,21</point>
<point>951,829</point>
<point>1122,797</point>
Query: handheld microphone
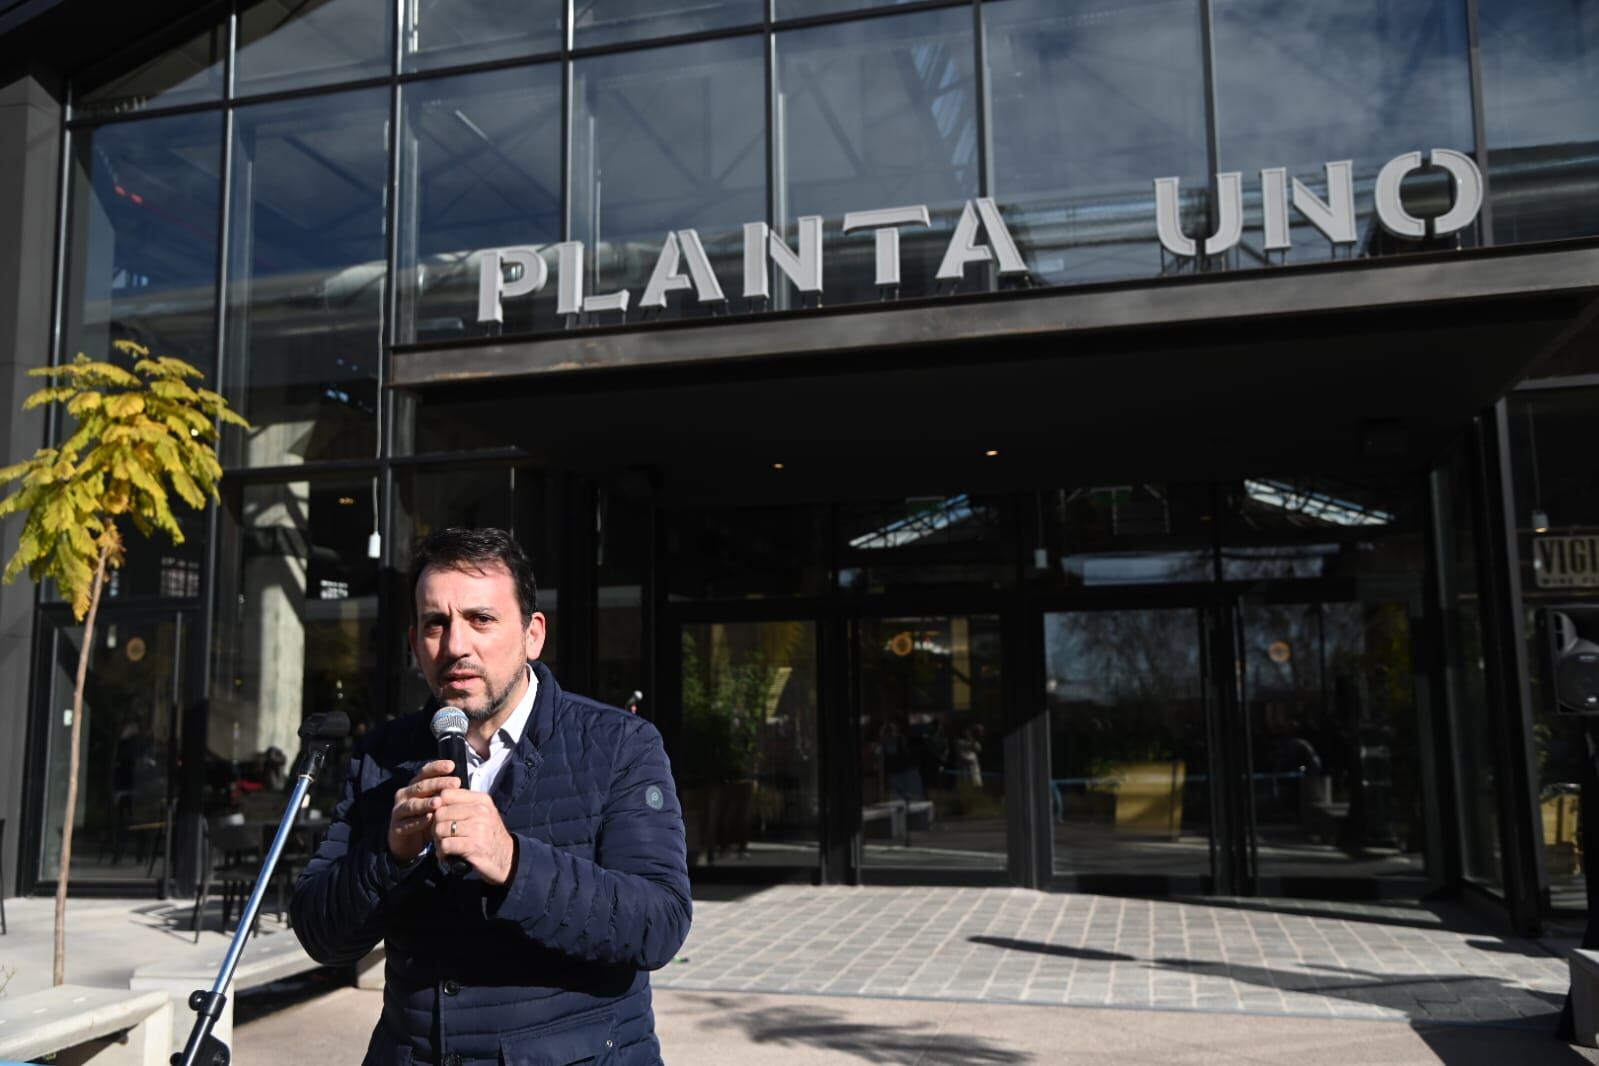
<point>449,727</point>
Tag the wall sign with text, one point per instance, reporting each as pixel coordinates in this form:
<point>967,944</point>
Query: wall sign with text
<point>1568,562</point>
<point>981,236</point>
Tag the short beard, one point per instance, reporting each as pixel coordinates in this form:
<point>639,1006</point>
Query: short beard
<point>495,700</point>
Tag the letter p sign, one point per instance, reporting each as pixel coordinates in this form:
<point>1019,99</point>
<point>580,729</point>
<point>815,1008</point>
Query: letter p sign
<point>528,273</point>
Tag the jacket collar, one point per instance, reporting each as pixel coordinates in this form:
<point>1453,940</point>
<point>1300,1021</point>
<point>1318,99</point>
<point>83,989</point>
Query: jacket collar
<point>541,723</point>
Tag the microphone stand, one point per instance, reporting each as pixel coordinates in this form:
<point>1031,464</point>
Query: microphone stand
<point>203,1047</point>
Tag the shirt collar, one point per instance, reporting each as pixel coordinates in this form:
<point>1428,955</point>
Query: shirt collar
<point>511,732</point>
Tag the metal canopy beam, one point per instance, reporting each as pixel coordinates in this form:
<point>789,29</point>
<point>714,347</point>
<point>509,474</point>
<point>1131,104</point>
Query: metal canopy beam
<point>1213,298</point>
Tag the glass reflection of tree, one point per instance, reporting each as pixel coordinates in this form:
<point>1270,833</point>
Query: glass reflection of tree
<point>1142,686</point>
<point>728,690</point>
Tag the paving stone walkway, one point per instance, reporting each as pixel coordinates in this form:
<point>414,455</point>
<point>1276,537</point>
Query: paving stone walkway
<point>997,945</point>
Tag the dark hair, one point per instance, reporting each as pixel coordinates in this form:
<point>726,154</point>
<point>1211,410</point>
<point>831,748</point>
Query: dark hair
<point>476,549</point>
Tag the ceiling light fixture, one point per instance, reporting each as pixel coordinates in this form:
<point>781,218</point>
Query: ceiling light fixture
<point>1540,520</point>
<point>992,453</point>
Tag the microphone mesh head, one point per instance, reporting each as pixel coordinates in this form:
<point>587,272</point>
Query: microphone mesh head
<point>449,721</point>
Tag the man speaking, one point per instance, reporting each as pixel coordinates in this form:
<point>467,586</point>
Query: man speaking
<point>521,910</point>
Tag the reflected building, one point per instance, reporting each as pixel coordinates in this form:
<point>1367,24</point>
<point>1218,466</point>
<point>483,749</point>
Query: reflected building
<point>1068,445</point>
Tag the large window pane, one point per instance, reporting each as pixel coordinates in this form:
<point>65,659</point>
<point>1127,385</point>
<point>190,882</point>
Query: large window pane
<point>1301,85</point>
<point>306,275</point>
<point>1129,762</point>
<point>288,45</point>
<point>128,745</point>
<point>1091,103</point>
<point>932,727</point>
<point>662,141</point>
<point>879,113</point>
<point>1540,78</point>
<point>142,237</point>
<point>597,22</point>
<point>1329,696</point>
<point>478,175</point>
<point>191,73</point>
<point>746,763</point>
<point>445,32</point>
<point>297,630</point>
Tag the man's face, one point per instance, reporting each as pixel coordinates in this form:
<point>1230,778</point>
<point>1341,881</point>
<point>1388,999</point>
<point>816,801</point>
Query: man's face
<point>469,638</point>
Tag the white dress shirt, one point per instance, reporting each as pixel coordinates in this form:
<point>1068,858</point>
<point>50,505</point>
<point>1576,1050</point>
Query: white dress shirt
<point>485,769</point>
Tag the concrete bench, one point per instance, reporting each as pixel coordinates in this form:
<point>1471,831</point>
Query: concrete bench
<point>103,1026</point>
<point>265,959</point>
<point>1585,995</point>
<point>891,811</point>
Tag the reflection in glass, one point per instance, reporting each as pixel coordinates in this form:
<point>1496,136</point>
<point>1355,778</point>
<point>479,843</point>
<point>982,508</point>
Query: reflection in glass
<point>477,174</point>
<point>746,553</point>
<point>441,33</point>
<point>191,73</point>
<point>142,238</point>
<point>1320,527</point>
<point>1129,759</point>
<point>1330,701</point>
<point>665,140</point>
<point>963,539</point>
<point>1085,119</point>
<point>874,114</point>
<point>1301,85</point>
<point>306,275</point>
<point>798,9</point>
<point>1540,77</point>
<point>1553,468</point>
<point>597,22</point>
<point>1123,535</point>
<point>298,629</point>
<point>746,761</point>
<point>932,729</point>
<point>291,44</point>
<point>126,756</point>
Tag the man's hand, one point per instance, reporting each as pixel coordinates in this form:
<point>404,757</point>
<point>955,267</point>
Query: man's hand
<point>466,825</point>
<point>414,807</point>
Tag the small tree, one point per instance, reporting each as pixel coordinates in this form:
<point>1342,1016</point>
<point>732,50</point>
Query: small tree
<point>137,431</point>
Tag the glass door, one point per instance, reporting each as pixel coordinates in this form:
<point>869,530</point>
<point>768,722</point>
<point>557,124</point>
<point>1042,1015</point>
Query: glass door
<point>1129,756</point>
<point>128,743</point>
<point>1329,699</point>
<point>746,758</point>
<point>930,718</point>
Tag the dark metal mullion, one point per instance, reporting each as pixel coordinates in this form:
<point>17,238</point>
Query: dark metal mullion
<point>1212,136</point>
<point>26,872</point>
<point>196,726</point>
<point>1479,120</point>
<point>985,149</point>
<point>566,124</point>
<point>1443,654</point>
<point>886,11</point>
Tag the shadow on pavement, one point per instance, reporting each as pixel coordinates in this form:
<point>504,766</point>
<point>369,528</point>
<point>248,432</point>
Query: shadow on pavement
<point>1402,992</point>
<point>1427,916</point>
<point>1093,954</point>
<point>827,1030</point>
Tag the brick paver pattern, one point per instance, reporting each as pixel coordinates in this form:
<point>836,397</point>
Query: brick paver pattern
<point>1019,946</point>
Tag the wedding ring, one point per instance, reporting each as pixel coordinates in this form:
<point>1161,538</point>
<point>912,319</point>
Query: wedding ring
<point>452,828</point>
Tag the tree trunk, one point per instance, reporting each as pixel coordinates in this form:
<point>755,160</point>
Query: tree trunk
<point>60,973</point>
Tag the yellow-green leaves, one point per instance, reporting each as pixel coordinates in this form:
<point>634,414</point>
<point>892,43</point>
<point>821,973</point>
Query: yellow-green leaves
<point>137,433</point>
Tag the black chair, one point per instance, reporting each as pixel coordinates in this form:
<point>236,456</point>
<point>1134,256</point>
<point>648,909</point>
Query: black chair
<point>230,856</point>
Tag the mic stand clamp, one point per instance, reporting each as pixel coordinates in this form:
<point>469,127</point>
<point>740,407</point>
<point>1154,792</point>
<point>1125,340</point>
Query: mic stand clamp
<point>203,1047</point>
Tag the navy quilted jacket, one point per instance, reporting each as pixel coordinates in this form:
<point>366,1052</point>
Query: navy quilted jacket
<point>551,968</point>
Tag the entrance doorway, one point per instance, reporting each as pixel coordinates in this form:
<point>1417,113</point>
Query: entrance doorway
<point>129,744</point>
<point>930,711</point>
<point>1247,744</point>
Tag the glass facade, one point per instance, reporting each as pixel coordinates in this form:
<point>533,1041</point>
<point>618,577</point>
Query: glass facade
<point>838,671</point>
